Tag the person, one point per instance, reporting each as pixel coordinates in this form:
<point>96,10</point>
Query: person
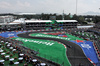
<point>25,64</point>
<point>2,64</point>
<point>80,64</point>
<point>11,62</point>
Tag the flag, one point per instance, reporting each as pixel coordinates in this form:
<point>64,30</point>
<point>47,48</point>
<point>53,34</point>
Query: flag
<point>12,37</point>
<point>79,41</point>
<point>65,36</point>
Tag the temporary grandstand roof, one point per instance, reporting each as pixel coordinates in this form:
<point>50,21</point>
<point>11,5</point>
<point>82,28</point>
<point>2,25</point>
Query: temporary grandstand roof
<point>25,13</point>
<point>13,23</point>
<point>89,26</point>
<point>35,21</point>
<point>27,21</point>
<point>66,20</point>
<point>39,21</point>
<point>20,21</point>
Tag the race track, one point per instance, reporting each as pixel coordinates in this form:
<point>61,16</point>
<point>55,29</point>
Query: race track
<point>74,52</point>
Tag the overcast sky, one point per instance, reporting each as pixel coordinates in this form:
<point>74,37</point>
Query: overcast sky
<point>49,6</point>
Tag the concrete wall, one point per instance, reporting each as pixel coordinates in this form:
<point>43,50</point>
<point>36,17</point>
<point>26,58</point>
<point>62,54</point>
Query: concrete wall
<point>85,26</point>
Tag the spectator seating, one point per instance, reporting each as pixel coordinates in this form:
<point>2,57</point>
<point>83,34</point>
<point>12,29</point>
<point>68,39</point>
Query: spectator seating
<point>12,55</point>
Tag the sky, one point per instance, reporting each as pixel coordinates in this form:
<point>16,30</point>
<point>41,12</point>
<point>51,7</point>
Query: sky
<point>50,6</point>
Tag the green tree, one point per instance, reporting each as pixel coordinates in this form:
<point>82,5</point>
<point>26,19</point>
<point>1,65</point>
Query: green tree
<point>81,19</point>
<point>67,17</point>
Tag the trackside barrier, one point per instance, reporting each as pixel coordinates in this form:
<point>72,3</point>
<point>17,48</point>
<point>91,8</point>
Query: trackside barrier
<point>97,51</point>
<point>91,61</point>
<point>31,30</point>
<point>42,30</point>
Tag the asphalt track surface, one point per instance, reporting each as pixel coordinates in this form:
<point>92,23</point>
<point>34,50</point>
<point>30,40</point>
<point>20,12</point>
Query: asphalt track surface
<point>74,52</point>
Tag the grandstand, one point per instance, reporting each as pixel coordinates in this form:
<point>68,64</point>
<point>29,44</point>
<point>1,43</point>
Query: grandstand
<point>39,24</point>
<point>49,43</point>
<point>42,24</point>
<point>96,28</point>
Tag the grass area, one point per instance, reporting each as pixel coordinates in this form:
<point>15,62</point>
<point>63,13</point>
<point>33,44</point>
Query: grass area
<point>50,50</point>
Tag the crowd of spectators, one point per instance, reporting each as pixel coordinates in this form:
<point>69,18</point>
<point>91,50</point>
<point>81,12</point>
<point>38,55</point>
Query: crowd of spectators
<point>96,28</point>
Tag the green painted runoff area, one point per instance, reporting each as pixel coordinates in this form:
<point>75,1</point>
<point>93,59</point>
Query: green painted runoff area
<point>47,49</point>
<point>70,37</point>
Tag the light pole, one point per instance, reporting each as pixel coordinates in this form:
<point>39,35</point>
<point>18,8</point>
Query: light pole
<point>63,15</point>
<point>99,9</point>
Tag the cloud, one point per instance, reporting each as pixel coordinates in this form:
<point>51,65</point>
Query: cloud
<point>87,6</point>
<point>4,5</point>
<point>13,7</point>
<point>23,4</point>
<point>50,6</point>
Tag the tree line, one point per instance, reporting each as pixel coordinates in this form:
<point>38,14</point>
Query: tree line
<point>82,19</point>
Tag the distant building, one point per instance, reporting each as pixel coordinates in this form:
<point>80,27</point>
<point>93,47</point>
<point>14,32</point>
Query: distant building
<point>6,19</point>
<point>88,19</point>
